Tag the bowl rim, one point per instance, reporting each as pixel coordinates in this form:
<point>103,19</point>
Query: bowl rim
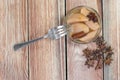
<point>67,25</point>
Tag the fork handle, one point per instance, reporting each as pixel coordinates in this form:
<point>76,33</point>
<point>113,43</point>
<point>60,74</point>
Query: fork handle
<point>20,45</point>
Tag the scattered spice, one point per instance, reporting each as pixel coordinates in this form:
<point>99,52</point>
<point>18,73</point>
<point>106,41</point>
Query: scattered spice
<point>101,55</point>
<point>92,17</point>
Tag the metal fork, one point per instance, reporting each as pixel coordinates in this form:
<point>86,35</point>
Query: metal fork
<point>53,33</point>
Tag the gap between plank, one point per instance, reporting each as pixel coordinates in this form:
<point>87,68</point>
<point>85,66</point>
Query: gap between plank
<point>66,48</point>
<point>102,28</point>
<point>28,38</point>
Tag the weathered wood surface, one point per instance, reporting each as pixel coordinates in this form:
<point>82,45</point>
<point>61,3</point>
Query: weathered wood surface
<point>21,20</point>
<point>46,57</point>
<point>111,23</point>
<point>76,68</point>
<point>13,29</point>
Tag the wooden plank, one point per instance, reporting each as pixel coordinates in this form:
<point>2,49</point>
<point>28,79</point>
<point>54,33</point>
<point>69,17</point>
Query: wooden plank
<point>13,29</point>
<point>75,60</point>
<point>47,57</point>
<point>111,17</point>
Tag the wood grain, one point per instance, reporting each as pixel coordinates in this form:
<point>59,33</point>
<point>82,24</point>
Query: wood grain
<point>13,29</point>
<point>46,57</point>
<point>45,60</point>
<point>111,18</point>
<point>75,60</point>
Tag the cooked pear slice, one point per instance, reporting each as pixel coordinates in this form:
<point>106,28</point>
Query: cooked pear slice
<point>74,18</point>
<point>79,27</point>
<point>89,36</point>
<point>92,25</point>
<point>84,11</point>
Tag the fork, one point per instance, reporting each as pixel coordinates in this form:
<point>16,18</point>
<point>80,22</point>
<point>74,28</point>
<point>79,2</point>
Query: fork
<point>53,33</point>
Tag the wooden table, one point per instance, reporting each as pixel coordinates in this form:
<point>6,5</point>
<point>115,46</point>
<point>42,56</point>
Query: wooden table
<point>23,20</point>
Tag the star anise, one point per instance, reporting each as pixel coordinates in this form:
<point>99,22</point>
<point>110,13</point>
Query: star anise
<point>107,61</point>
<point>108,49</point>
<point>109,55</point>
<point>99,41</point>
<point>90,63</point>
<point>97,54</point>
<point>92,16</point>
<point>87,52</point>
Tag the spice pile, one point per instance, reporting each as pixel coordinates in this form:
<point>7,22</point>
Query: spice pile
<point>101,55</point>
